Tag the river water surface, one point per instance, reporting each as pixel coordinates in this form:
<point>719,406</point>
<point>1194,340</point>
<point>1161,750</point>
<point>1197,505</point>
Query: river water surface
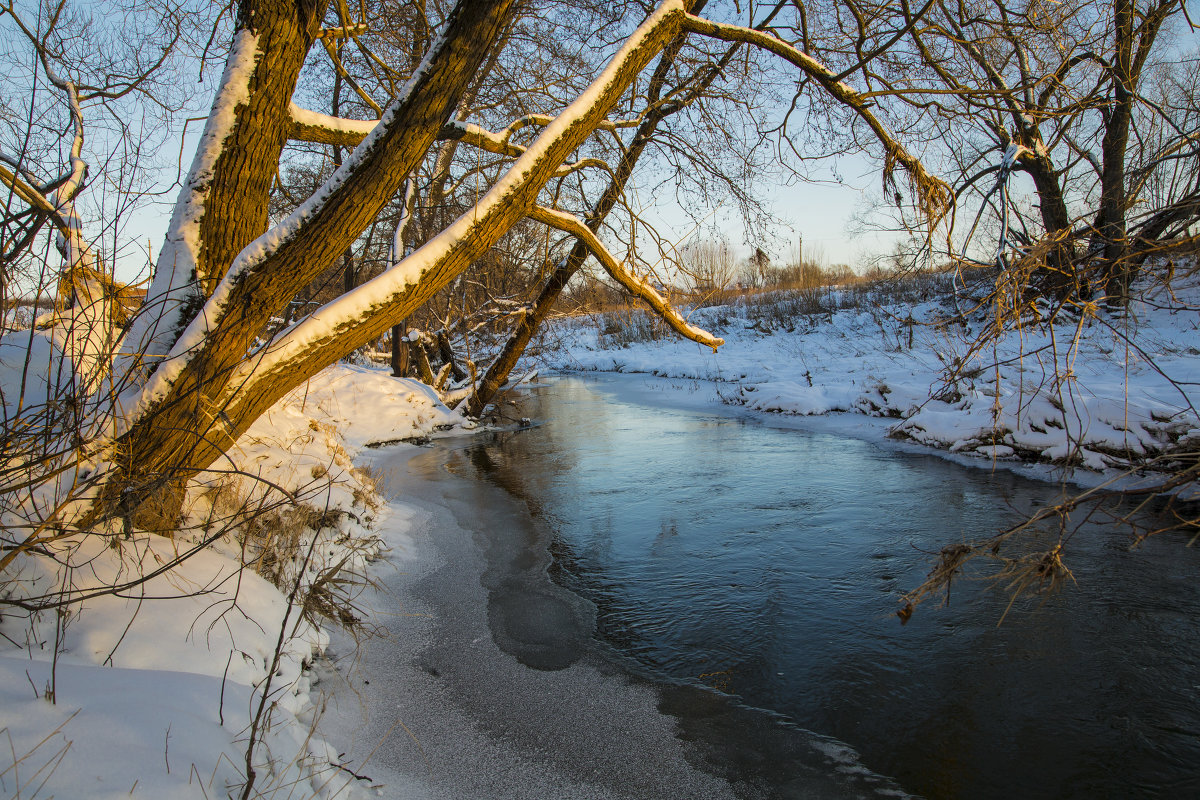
<point>765,562</point>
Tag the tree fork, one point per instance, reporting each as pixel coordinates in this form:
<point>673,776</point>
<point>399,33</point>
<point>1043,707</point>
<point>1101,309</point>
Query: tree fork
<point>1059,277</point>
<point>187,429</point>
<point>348,322</point>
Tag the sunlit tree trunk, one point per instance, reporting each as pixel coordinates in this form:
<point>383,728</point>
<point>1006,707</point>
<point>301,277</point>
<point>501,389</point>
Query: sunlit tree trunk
<point>183,418</point>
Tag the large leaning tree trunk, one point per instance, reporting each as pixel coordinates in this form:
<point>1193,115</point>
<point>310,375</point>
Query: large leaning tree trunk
<point>209,383</point>
<point>223,275</point>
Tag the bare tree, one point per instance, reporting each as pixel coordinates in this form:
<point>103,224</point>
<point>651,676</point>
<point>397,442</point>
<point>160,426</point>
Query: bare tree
<point>75,71</point>
<point>710,268</point>
<point>1055,92</point>
<point>205,357</point>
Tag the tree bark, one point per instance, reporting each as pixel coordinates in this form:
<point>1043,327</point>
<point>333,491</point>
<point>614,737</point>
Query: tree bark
<point>1131,48</point>
<point>235,205</point>
<point>447,354</point>
<point>187,419</point>
<point>528,324</point>
<point>1110,218</point>
<point>1059,278</point>
<point>400,350</point>
<point>421,356</point>
<point>348,272</point>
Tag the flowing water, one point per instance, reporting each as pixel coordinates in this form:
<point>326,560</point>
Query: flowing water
<point>766,562</point>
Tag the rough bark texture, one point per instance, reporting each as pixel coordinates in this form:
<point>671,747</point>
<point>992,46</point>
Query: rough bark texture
<point>421,357</point>
<point>1132,45</point>
<point>447,355</point>
<point>235,206</point>
<point>1110,219</point>
<point>349,278</point>
<point>400,350</point>
<point>1059,277</point>
<point>188,429</point>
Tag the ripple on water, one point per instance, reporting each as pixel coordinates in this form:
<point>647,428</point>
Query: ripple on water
<point>767,563</point>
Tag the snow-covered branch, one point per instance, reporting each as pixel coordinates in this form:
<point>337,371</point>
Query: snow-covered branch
<point>398,251</point>
<point>359,315</point>
<point>639,287</point>
<point>318,128</point>
<point>542,120</point>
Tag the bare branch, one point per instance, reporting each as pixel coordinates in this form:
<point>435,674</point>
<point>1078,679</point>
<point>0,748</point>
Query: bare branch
<point>933,197</point>
<point>636,286</point>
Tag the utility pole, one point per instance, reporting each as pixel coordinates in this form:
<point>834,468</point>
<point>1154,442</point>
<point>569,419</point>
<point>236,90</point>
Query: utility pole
<point>400,350</point>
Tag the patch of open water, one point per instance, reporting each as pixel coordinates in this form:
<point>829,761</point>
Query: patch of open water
<point>766,562</point>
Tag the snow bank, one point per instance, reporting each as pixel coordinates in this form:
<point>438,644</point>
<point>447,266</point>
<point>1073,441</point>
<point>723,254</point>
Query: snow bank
<point>156,687</point>
<point>34,370</point>
<point>60,357</point>
<point>1106,393</point>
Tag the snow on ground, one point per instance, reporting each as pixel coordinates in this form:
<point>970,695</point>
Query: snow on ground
<point>1098,394</point>
<point>152,691</point>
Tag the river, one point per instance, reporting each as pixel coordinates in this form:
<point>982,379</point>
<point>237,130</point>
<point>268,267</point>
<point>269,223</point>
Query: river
<point>721,550</point>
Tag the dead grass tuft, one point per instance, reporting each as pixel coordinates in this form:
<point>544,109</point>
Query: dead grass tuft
<point>371,486</point>
<point>948,566</point>
<point>302,545</point>
<point>1040,572</point>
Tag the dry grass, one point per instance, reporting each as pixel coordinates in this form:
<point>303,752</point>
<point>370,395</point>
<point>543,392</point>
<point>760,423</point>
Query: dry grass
<point>371,487</point>
<point>949,565</point>
<point>292,545</point>
<point>630,326</point>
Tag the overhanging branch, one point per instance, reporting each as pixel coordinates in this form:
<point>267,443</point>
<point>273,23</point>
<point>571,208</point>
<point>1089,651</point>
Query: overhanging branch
<point>639,288</point>
<point>318,128</point>
<point>933,197</point>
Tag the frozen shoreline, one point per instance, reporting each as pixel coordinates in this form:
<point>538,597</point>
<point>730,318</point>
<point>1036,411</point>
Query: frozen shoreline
<point>200,625</point>
<point>486,682</point>
<point>438,709</point>
<point>1077,400</point>
<point>702,394</point>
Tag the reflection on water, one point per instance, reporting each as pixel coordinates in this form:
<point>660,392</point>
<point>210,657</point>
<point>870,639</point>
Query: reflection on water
<point>767,563</point>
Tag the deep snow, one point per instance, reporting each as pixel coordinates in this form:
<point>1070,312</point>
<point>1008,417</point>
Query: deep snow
<point>154,688</point>
<point>1092,396</point>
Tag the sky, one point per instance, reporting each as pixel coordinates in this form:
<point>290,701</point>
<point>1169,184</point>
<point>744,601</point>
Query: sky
<point>821,214</point>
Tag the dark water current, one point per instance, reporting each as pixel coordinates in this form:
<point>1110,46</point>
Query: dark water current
<point>766,562</point>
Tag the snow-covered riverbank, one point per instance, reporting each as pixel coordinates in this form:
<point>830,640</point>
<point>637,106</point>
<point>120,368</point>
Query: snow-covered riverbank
<point>157,690</point>
<point>1093,395</point>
